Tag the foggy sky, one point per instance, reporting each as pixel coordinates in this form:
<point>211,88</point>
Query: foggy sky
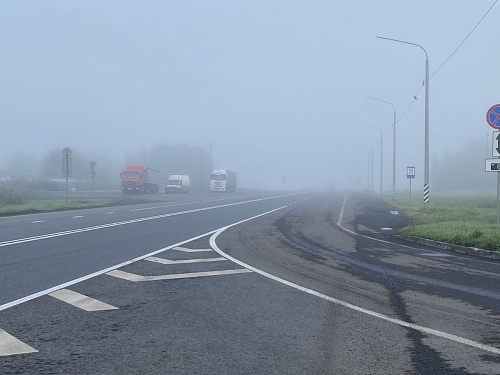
<point>277,87</point>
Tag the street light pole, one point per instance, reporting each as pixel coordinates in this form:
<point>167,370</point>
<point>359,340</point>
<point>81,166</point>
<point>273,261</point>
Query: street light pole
<point>426,157</point>
<point>381,151</point>
<point>393,146</point>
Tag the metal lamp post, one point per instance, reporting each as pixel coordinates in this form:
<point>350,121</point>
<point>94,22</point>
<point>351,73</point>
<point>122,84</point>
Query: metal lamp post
<point>381,151</point>
<point>393,146</point>
<point>426,157</point>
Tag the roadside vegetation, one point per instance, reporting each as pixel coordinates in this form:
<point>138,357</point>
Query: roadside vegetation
<point>467,220</point>
<point>14,205</point>
<point>19,196</point>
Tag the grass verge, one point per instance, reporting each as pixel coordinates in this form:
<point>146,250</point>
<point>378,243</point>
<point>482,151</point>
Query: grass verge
<point>467,220</point>
<point>13,205</point>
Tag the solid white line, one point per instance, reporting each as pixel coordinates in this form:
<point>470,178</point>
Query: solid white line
<point>81,301</point>
<point>436,255</point>
<point>399,322</point>
<point>137,278</point>
<point>186,250</point>
<point>182,204</point>
<point>341,216</point>
<point>110,225</point>
<point>9,345</point>
<point>38,221</point>
<point>183,261</point>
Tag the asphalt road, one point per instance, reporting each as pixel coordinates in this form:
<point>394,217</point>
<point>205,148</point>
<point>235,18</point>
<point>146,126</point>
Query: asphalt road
<point>293,291</point>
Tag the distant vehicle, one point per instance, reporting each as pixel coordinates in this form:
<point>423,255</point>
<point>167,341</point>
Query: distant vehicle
<point>223,180</point>
<point>140,179</point>
<point>177,183</point>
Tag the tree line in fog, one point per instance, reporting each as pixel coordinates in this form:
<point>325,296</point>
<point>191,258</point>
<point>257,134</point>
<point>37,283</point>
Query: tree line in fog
<point>194,161</point>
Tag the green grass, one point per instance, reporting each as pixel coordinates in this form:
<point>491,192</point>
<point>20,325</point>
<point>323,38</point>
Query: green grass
<point>467,220</point>
<point>14,205</point>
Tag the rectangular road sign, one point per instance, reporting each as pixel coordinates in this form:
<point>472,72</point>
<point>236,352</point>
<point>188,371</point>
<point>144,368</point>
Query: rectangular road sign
<point>496,144</point>
<point>492,165</point>
<point>410,172</point>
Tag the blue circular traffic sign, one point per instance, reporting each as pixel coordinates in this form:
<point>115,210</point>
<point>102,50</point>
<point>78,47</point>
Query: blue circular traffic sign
<point>493,116</point>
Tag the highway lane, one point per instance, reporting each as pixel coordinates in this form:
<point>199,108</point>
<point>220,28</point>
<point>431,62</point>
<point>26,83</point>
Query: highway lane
<point>123,207</point>
<point>187,311</point>
<point>66,251</point>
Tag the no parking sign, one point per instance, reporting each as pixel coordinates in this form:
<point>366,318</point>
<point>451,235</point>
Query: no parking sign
<point>493,116</point>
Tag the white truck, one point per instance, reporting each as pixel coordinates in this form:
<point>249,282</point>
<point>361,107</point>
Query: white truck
<point>177,183</point>
<point>223,180</point>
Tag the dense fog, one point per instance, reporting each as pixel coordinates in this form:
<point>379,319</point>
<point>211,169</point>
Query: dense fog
<point>275,90</point>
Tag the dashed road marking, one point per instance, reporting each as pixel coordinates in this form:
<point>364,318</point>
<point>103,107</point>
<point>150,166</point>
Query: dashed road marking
<point>77,217</point>
<point>109,213</point>
<point>184,261</point>
<point>186,250</point>
<point>38,221</point>
<point>9,345</point>
<point>81,301</point>
<point>136,278</point>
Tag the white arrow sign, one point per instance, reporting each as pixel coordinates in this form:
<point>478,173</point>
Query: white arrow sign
<point>496,144</point>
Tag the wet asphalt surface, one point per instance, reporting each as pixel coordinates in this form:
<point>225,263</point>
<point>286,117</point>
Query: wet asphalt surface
<point>246,323</point>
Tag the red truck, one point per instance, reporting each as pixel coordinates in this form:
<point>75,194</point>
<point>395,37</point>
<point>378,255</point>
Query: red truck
<point>140,179</point>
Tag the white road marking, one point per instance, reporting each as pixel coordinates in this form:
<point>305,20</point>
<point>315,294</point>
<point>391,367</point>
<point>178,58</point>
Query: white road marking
<point>186,250</point>
<point>103,271</point>
<point>110,225</point>
<point>77,217</point>
<point>394,212</point>
<point>386,228</point>
<point>9,345</point>
<point>341,216</point>
<point>38,221</point>
<point>137,278</point>
<point>180,204</point>
<point>109,213</point>
<point>92,275</point>
<point>184,261</point>
<point>81,301</point>
<point>435,255</point>
<point>475,344</point>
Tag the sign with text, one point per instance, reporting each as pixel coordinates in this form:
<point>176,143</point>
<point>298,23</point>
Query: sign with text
<point>492,165</point>
<point>410,172</point>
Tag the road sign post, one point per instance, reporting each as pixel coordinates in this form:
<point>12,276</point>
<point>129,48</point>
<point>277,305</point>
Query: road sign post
<point>92,173</point>
<point>410,175</point>
<point>67,166</point>
<point>493,165</point>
